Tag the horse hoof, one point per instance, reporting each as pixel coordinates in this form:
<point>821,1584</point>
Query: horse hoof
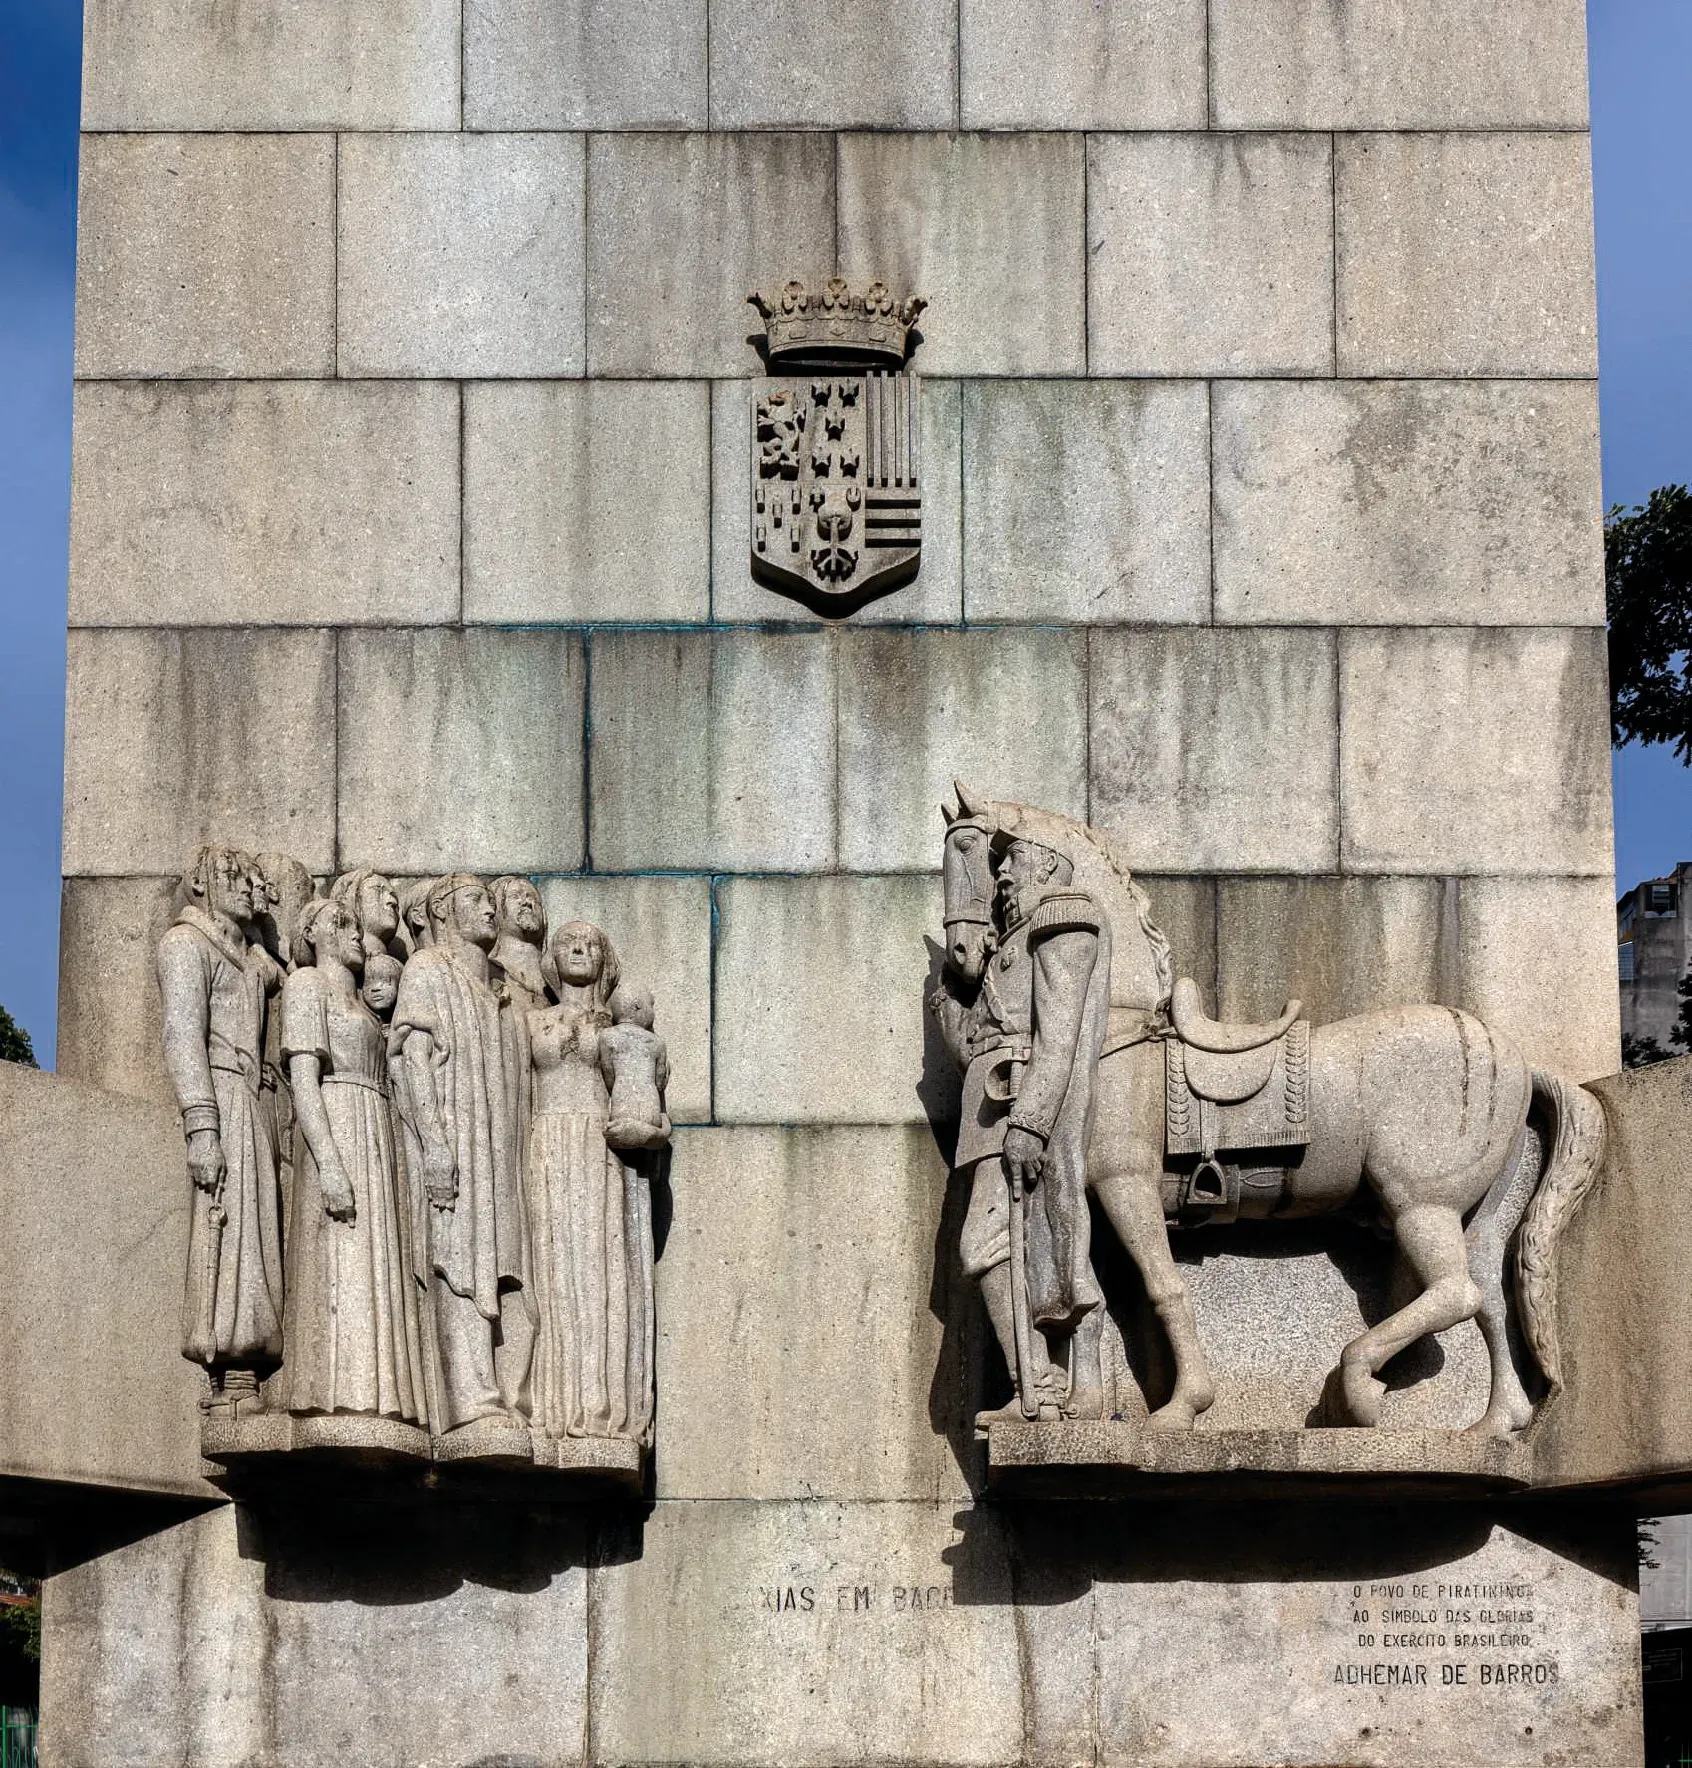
<point>1177,1415</point>
<point>1494,1426</point>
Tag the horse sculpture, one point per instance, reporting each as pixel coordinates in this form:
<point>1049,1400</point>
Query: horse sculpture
<point>1466,1154</point>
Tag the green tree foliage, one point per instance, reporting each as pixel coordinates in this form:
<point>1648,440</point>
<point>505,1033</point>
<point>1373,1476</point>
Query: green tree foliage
<point>22,1621</point>
<point>20,1614</point>
<point>1648,590</point>
<point>1641,1052</point>
<point>14,1042</point>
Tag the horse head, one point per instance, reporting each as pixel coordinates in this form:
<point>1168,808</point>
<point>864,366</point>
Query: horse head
<point>967,872</point>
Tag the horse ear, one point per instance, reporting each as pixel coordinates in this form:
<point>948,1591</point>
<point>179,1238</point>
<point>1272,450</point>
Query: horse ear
<point>968,803</point>
<point>947,815</point>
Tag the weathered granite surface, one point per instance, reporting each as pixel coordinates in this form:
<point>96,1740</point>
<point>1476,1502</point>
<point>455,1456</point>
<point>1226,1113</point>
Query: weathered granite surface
<point>822,1633</point>
<point>1324,655</point>
<point>89,1212</point>
<point>1622,1282</point>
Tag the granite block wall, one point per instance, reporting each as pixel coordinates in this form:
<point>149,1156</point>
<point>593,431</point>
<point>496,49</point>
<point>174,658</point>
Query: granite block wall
<point>1262,526</point>
<point>1262,529</point>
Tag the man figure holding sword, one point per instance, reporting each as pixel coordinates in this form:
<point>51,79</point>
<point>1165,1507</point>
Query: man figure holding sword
<point>215,984</point>
<point>1032,1050</point>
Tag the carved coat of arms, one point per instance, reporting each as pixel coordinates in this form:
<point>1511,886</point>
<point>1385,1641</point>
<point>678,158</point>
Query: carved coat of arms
<point>836,451</point>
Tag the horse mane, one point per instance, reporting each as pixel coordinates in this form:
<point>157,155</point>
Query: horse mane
<point>1105,875</point>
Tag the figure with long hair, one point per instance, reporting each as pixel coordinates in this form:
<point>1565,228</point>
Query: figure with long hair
<point>214,983</point>
<point>589,1208</point>
<point>351,1325</point>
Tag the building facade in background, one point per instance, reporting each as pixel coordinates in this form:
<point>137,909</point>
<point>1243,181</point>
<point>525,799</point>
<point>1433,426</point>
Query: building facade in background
<point>1653,955</point>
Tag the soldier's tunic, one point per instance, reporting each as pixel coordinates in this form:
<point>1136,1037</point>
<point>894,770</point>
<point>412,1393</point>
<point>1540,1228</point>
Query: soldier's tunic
<point>214,987</point>
<point>1033,1050</point>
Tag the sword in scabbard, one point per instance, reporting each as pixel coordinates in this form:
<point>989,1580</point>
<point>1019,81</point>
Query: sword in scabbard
<point>204,1337</point>
<point>1027,1396</point>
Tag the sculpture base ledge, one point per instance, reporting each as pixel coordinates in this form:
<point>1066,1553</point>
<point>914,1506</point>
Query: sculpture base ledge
<point>1070,1458</point>
<point>372,1441</point>
<point>259,1447</point>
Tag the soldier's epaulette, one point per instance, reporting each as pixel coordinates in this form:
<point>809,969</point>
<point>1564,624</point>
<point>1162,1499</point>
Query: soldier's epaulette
<point>1065,911</point>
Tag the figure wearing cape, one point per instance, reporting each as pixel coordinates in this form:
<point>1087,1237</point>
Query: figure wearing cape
<point>1033,1047</point>
<point>458,1110</point>
<point>214,986</point>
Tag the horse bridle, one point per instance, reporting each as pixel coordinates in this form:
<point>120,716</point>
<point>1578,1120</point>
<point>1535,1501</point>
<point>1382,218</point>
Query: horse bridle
<point>984,902</point>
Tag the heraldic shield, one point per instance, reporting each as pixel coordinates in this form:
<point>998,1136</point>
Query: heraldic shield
<point>836,449</point>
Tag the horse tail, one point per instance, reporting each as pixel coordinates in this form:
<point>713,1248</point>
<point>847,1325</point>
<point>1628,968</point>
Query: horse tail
<point>1576,1137</point>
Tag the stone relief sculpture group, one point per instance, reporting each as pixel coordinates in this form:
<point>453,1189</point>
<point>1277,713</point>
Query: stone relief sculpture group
<point>419,1138</point>
<point>420,1134</point>
<point>1089,1068</point>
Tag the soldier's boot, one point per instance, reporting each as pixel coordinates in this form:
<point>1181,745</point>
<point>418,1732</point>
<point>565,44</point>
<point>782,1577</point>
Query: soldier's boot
<point>1048,1382</point>
<point>234,1393</point>
<point>1048,1400</point>
<point>1048,1410</point>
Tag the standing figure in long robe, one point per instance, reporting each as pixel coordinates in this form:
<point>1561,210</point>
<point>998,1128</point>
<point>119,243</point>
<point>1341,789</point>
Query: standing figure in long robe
<point>514,969</point>
<point>352,1326</point>
<point>590,1212</point>
<point>282,889</point>
<point>462,1152</point>
<point>214,986</point>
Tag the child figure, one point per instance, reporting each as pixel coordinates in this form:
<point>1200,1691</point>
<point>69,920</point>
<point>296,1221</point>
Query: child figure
<point>636,1067</point>
<point>381,985</point>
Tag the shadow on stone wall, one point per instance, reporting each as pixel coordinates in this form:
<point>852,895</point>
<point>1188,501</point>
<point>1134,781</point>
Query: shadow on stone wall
<point>1058,1551</point>
<point>384,1553</point>
<point>969,1373</point>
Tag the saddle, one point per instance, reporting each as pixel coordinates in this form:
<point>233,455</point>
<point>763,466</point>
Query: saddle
<point>1217,1036</point>
<point>1229,1089</point>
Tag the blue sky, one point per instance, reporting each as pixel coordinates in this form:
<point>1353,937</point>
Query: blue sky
<point>1642,147</point>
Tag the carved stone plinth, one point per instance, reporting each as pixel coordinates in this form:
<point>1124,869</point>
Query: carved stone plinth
<point>490,1445</point>
<point>491,1442</point>
<point>1121,1459</point>
<point>345,1436</point>
<point>614,1457</point>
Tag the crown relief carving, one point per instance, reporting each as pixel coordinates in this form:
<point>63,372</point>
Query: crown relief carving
<point>836,327</point>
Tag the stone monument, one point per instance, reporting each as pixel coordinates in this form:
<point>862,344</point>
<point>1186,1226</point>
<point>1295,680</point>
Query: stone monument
<point>1153,1273</point>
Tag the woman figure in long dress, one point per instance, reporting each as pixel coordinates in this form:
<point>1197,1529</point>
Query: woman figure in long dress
<point>351,1334</point>
<point>590,1212</point>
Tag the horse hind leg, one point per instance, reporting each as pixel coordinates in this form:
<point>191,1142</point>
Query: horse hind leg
<point>1508,1407</point>
<point>1430,1236</point>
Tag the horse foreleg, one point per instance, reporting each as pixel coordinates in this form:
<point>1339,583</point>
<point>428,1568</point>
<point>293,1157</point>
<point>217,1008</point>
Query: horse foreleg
<point>1086,1367</point>
<point>1135,1210</point>
<point>1431,1238</point>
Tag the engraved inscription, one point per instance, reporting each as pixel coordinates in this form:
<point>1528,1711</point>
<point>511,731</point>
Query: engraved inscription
<point>873,1598</point>
<point>1412,1631</point>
